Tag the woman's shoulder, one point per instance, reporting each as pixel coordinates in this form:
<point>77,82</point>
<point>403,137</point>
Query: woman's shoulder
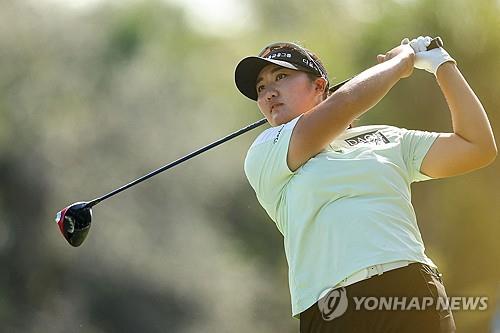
<point>273,134</point>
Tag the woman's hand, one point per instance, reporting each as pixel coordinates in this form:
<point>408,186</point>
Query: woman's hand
<point>406,56</point>
<point>430,60</point>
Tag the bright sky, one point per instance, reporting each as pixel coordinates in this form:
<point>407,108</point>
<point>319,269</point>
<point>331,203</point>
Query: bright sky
<point>220,17</point>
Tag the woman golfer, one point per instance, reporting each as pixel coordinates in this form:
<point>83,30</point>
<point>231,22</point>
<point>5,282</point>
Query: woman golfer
<point>340,195</point>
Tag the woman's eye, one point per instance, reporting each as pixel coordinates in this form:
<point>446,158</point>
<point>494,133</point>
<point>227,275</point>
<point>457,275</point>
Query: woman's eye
<point>280,76</point>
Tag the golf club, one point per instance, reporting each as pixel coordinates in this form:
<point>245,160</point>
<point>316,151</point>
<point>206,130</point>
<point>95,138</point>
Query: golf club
<point>74,220</point>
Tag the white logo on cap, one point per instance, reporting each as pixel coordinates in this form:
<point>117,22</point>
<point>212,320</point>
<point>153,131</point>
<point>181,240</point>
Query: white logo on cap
<point>280,55</point>
<point>308,63</point>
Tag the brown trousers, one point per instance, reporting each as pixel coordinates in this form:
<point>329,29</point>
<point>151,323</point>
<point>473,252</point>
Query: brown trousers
<point>415,280</point>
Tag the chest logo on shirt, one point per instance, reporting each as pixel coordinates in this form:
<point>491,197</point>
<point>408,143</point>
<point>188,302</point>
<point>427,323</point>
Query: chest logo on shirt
<point>374,137</point>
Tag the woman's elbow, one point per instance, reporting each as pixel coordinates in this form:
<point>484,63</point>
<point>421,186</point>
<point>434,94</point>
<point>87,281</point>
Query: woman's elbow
<point>489,154</point>
<point>494,153</point>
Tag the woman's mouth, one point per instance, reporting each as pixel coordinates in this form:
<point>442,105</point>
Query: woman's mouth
<point>274,106</point>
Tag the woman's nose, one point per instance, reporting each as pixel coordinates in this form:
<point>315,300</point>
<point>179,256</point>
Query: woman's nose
<point>271,92</point>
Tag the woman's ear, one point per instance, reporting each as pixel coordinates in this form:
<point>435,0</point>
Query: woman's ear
<point>320,84</point>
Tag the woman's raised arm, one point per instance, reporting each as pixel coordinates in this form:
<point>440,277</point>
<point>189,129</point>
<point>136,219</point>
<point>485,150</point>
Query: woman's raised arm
<point>319,126</point>
<point>472,144</point>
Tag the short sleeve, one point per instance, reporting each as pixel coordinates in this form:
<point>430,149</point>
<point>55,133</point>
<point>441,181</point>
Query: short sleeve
<point>415,144</point>
<point>266,165</point>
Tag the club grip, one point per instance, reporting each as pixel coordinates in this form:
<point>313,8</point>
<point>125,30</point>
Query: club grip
<point>435,43</point>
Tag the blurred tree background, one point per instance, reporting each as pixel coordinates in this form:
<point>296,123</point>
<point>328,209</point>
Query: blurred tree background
<point>95,95</point>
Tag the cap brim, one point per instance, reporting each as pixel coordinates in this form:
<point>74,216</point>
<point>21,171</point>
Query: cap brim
<point>245,75</point>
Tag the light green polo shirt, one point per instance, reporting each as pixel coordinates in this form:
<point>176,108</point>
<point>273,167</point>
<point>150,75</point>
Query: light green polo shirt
<point>347,208</point>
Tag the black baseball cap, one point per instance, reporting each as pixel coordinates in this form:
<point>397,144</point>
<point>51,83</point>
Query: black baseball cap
<point>288,55</point>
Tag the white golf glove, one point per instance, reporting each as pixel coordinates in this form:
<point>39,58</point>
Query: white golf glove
<point>428,60</point>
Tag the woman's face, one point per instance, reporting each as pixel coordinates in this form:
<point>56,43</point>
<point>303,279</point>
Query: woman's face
<point>284,94</point>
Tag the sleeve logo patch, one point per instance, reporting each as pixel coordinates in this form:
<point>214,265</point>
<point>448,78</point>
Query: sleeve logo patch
<point>374,137</point>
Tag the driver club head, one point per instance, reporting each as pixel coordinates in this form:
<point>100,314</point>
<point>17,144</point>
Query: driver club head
<point>74,222</point>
